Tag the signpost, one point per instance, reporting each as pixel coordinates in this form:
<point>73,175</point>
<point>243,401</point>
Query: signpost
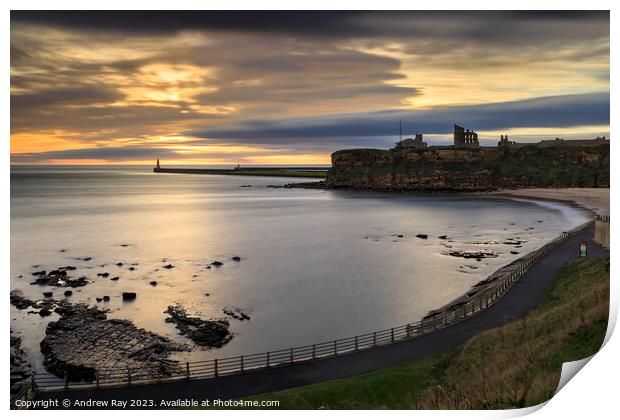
<point>583,249</point>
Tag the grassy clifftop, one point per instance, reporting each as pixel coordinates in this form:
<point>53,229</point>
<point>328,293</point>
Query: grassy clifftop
<point>517,365</point>
<point>454,169</point>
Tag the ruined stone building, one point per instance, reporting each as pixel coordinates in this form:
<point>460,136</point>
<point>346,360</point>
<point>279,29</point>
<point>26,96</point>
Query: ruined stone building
<point>465,138</point>
<point>417,143</point>
<point>504,142</point>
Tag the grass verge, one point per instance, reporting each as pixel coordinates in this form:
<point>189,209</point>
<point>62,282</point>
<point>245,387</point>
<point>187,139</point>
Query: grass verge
<point>517,365</point>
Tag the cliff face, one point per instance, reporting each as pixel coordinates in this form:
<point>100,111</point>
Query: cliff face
<point>450,169</point>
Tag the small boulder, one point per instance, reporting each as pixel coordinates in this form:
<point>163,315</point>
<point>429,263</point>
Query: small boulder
<point>39,273</point>
<point>99,299</point>
<point>236,259</point>
<point>168,266</point>
<point>129,296</point>
<point>217,263</point>
<point>443,237</point>
<point>422,236</point>
<point>115,278</point>
<point>68,293</point>
<point>48,294</point>
<point>106,298</point>
<point>153,283</point>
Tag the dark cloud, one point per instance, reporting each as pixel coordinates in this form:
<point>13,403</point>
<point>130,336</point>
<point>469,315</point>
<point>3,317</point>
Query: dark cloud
<point>556,111</point>
<point>294,23</point>
<point>81,95</point>
<point>100,153</point>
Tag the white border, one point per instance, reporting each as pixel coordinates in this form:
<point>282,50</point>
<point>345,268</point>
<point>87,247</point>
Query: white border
<point>593,394</point>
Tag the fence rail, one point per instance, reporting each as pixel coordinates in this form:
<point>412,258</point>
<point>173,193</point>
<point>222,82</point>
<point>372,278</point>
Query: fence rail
<point>169,371</point>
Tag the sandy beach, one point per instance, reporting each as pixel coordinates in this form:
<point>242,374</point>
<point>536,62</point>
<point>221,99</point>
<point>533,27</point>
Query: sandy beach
<point>595,199</point>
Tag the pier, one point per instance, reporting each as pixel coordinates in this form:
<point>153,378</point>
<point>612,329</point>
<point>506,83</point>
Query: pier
<point>282,171</point>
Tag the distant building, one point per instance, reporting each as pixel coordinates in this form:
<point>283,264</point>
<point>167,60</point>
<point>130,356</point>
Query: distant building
<point>504,142</point>
<point>417,144</point>
<point>158,167</point>
<point>465,138</point>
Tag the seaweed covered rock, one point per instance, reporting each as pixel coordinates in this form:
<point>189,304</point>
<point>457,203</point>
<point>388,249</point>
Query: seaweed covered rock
<point>208,333</point>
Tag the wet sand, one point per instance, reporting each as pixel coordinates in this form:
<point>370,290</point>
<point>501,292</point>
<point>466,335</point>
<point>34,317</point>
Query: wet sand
<point>595,199</point>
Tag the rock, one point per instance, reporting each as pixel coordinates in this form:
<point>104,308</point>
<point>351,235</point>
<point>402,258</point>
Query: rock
<point>245,186</point>
<point>84,340</point>
<point>124,245</point>
<point>120,264</point>
<point>68,293</point>
<point>129,296</point>
<point>422,236</point>
<point>153,283</point>
<point>59,278</point>
<point>39,273</point>
<point>62,250</point>
<point>236,259</point>
<point>208,333</point>
<point>236,313</point>
<point>20,373</point>
<point>168,266</point>
<point>19,301</point>
<point>48,294</point>
<point>217,263</point>
<point>514,252</point>
<point>45,311</point>
<point>443,237</point>
<point>478,255</point>
<point>99,299</point>
<point>131,268</point>
<point>400,236</point>
<point>106,298</point>
<point>115,278</point>
<point>104,275</point>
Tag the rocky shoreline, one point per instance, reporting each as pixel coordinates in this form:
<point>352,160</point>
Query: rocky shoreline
<point>84,342</point>
<point>21,373</point>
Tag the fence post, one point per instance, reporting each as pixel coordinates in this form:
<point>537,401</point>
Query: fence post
<point>291,356</point>
<point>66,380</point>
<point>374,338</point>
<point>215,368</point>
<point>313,351</point>
<point>408,331</point>
<point>241,362</point>
<point>187,369</point>
<point>267,364</point>
<point>335,347</point>
<point>392,334</point>
<point>356,343</point>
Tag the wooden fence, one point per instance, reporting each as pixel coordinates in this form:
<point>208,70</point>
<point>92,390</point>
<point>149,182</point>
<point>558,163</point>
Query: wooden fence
<point>169,371</point>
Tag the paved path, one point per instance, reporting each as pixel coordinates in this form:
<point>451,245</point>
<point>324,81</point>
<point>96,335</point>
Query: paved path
<point>522,297</point>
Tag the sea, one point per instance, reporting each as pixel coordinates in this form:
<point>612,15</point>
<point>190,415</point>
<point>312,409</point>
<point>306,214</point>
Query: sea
<point>314,265</point>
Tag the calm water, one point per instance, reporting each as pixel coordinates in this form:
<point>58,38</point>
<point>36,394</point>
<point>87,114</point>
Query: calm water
<point>315,265</point>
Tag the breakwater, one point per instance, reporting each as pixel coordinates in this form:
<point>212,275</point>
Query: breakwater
<point>291,171</point>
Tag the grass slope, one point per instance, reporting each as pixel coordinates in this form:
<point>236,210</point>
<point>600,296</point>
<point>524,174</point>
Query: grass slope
<point>517,365</point>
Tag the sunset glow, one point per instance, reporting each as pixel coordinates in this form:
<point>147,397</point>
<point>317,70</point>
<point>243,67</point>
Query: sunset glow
<point>228,89</point>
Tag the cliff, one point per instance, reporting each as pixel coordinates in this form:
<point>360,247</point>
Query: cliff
<point>453,169</point>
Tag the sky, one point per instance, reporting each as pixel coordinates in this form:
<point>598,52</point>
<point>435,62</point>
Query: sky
<point>249,88</point>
